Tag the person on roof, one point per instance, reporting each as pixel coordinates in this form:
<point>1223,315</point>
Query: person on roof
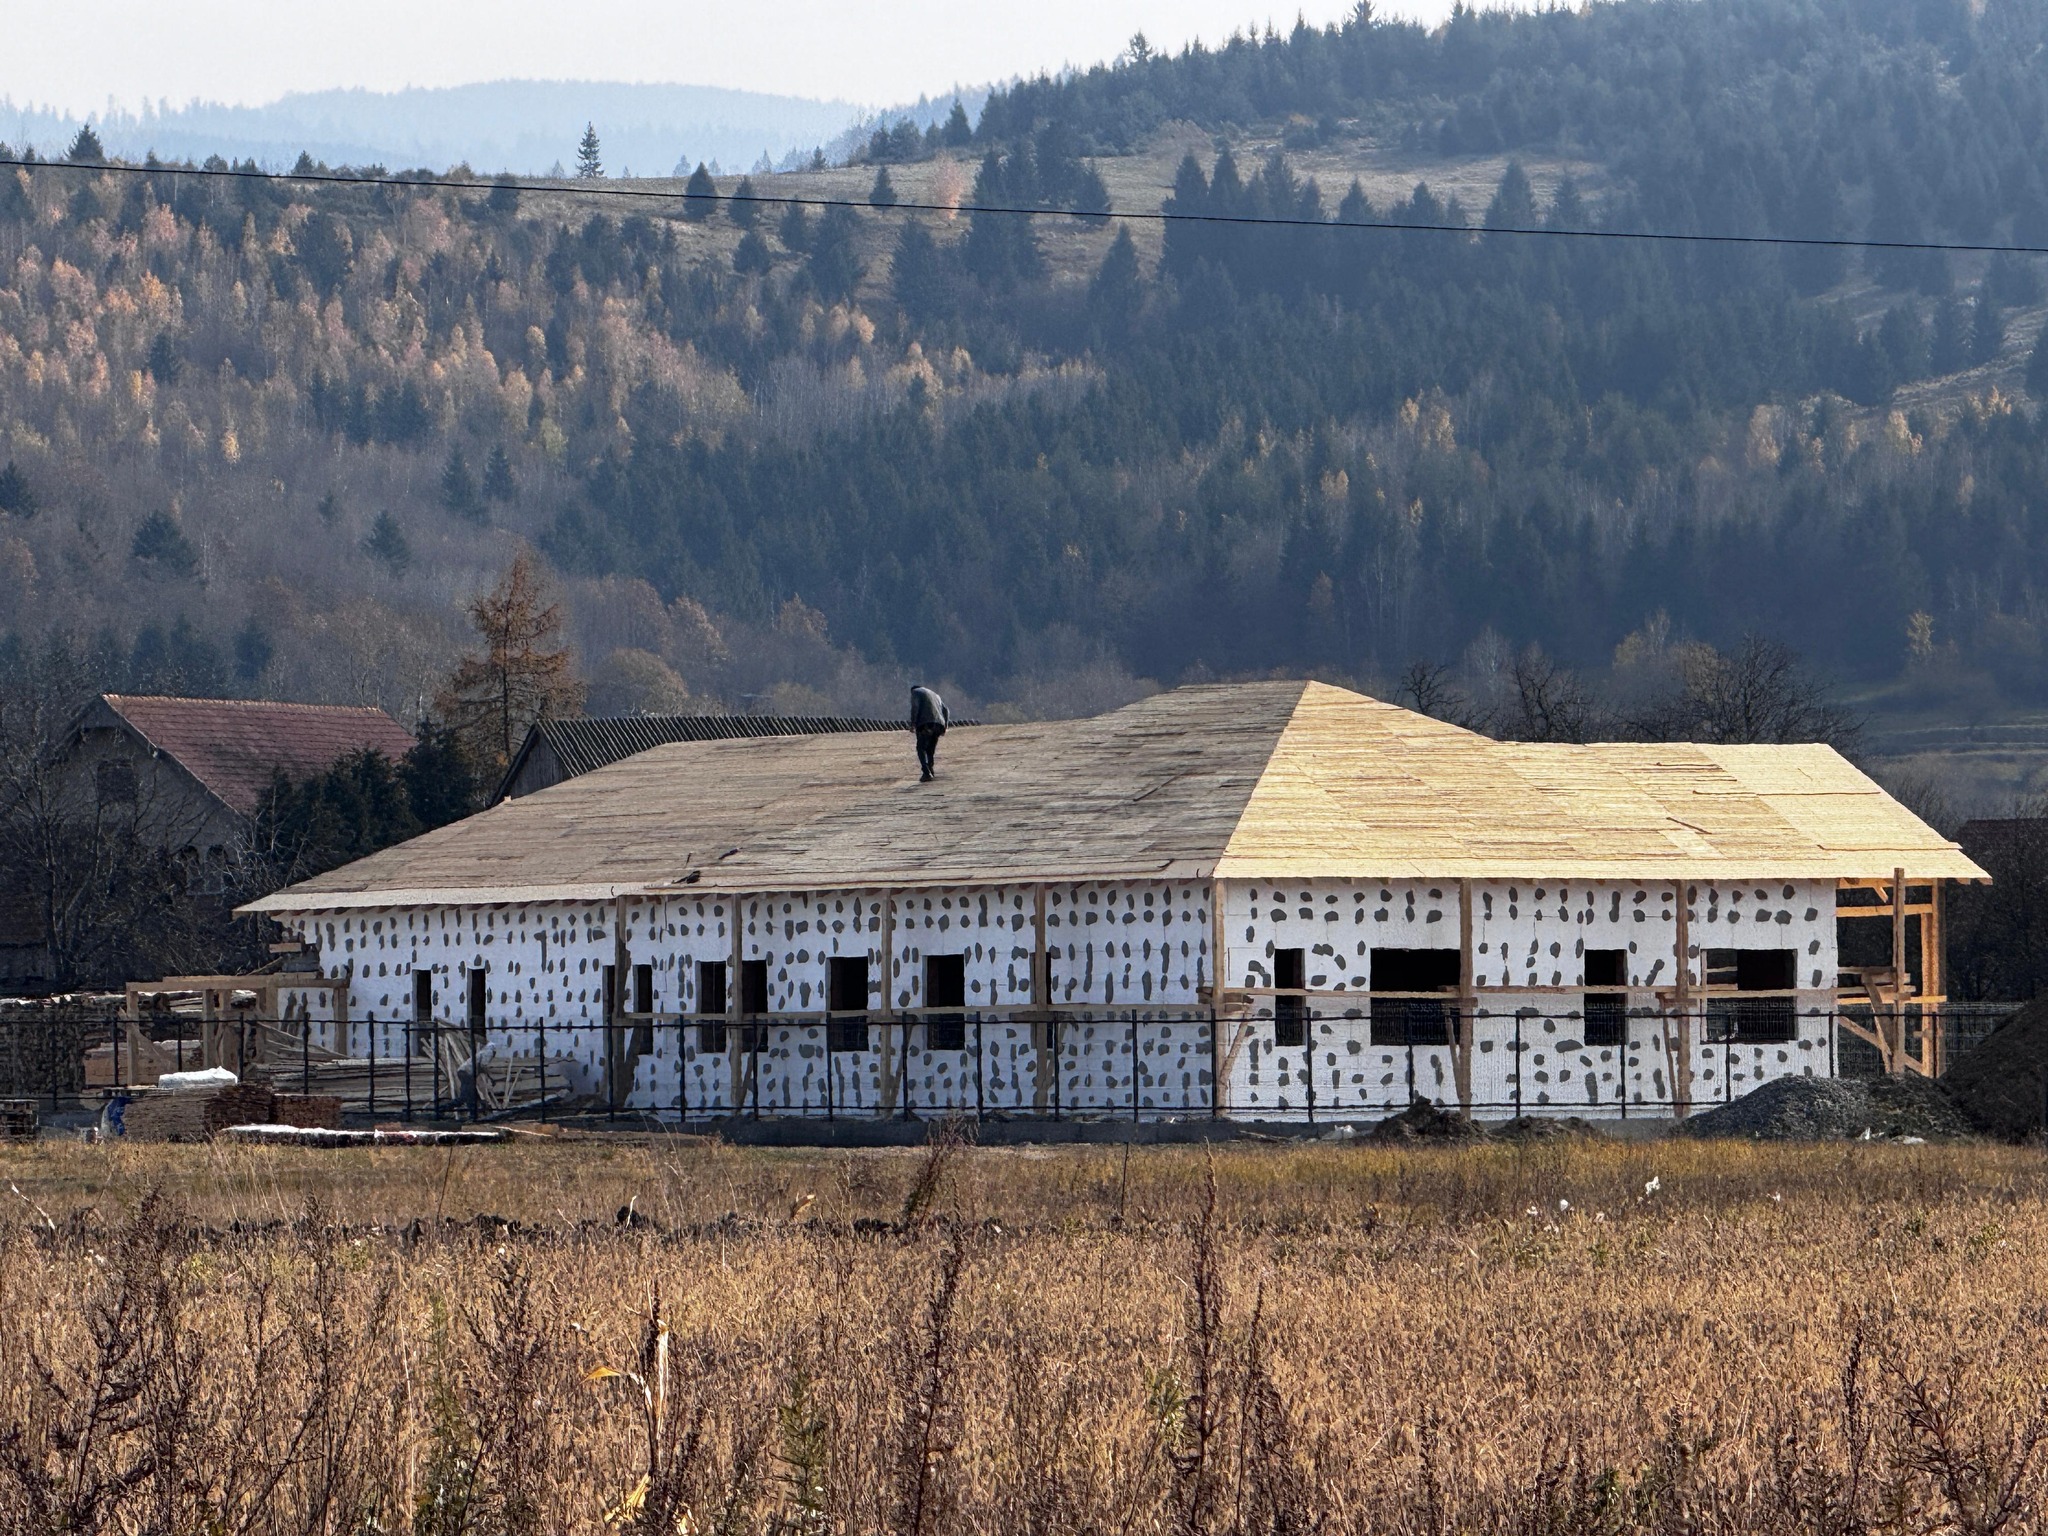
<point>929,719</point>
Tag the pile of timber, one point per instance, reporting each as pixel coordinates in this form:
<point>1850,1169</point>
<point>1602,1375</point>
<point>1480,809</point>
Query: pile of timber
<point>506,1085</point>
<point>309,1111</point>
<point>194,1114</point>
<point>18,1120</point>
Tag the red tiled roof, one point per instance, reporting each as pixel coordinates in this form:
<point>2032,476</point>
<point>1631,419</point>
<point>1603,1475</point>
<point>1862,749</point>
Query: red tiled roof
<point>232,746</point>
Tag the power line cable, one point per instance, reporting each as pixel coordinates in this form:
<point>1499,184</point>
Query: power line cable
<point>593,188</point>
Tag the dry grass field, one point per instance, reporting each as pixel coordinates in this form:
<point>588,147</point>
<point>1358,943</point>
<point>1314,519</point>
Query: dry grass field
<point>1553,1337</point>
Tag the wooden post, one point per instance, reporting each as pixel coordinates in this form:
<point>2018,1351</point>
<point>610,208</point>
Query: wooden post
<point>733,992</point>
<point>1932,982</point>
<point>1897,1064</point>
<point>896,1059</point>
<point>1681,1059</point>
<point>1218,943</point>
<point>1461,1060</point>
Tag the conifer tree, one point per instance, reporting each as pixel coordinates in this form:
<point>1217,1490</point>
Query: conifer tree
<point>752,258</point>
<point>745,212</point>
<point>498,483</point>
<point>16,497</point>
<point>589,159</point>
<point>958,132</point>
<point>388,545</point>
<point>522,674</point>
<point>86,149</point>
<point>458,486</point>
<point>700,195</point>
<point>883,193</point>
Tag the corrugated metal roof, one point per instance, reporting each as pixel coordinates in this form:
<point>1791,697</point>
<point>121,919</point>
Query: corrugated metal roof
<point>1272,781</point>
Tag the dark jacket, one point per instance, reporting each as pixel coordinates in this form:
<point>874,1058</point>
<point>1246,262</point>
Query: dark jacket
<point>928,710</point>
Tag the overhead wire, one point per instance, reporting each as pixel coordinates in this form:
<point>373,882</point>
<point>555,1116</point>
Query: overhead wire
<point>597,187</point>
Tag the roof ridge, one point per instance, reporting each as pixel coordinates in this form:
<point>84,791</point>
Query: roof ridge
<point>179,698</point>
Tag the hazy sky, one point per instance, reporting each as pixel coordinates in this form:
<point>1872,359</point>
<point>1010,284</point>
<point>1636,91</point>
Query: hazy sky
<point>251,51</point>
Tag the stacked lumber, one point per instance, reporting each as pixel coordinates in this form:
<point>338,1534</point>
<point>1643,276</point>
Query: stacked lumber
<point>309,1110</point>
<point>349,1079</point>
<point>18,1120</point>
<point>162,1114</point>
<point>510,1083</point>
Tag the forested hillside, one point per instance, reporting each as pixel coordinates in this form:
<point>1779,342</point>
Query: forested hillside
<point>266,436</point>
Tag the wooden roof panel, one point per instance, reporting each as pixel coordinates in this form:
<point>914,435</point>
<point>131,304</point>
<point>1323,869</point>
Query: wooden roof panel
<point>1257,780</point>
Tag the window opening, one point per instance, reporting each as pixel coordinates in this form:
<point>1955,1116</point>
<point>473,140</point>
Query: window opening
<point>1752,1020</point>
<point>846,1002</point>
<point>1412,1020</point>
<point>1290,1013</point>
<point>945,988</point>
<point>1606,1012</point>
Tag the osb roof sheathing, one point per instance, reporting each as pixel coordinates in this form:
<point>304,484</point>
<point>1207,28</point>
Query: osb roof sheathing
<point>1280,780</point>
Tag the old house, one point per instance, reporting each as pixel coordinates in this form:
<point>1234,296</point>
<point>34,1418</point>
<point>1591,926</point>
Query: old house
<point>183,775</point>
<point>1268,900</point>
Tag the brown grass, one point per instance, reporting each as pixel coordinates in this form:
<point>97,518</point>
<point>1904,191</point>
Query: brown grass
<point>1523,1340</point>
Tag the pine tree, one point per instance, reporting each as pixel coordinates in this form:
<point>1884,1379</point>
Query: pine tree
<point>745,212</point>
<point>796,228</point>
<point>958,132</point>
<point>86,149</point>
<point>16,497</point>
<point>589,162</point>
<point>700,195</point>
<point>252,649</point>
<point>388,546</point>
<point>835,267</point>
<point>522,674</point>
<point>498,483</point>
<point>1951,349</point>
<point>752,258</point>
<point>1117,293</point>
<point>504,198</point>
<point>458,486</point>
<point>883,193</point>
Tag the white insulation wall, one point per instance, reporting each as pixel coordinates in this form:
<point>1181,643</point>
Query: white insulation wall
<point>1131,962</point>
<point>1527,1046</point>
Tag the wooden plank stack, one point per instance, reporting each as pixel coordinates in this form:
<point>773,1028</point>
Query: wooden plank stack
<point>195,1114</point>
<point>18,1120</point>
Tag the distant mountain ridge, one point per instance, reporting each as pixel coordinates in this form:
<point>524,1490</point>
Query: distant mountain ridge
<point>525,126</point>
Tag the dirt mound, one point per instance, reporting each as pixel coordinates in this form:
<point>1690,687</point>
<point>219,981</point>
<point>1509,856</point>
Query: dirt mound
<point>1424,1121</point>
<point>1542,1128</point>
<point>1835,1109</point>
<point>2002,1084</point>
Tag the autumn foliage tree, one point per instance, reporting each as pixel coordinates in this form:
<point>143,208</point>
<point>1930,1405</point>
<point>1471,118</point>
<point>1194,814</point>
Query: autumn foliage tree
<point>522,675</point>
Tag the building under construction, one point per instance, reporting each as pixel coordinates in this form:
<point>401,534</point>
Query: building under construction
<point>1265,900</point>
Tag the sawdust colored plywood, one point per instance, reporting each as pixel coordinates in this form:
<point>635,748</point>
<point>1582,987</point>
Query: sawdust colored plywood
<point>1269,780</point>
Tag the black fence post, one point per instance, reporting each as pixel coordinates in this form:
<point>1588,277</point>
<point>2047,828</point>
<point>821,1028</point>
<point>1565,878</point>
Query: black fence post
<point>114,1042</point>
<point>411,1049</point>
<point>373,1072</point>
<point>1308,1058</point>
<point>1134,1066</point>
<point>682,1080</point>
<point>829,1068</point>
<point>754,1032</point>
<point>904,1058</point>
<point>1059,1068</point>
<point>1518,1063</point>
<point>980,1112</point>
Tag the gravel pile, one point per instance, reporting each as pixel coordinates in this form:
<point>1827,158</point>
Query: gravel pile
<point>2003,1083</point>
<point>1424,1121</point>
<point>1836,1109</point>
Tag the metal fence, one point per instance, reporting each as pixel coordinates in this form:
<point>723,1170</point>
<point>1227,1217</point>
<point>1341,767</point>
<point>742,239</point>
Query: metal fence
<point>1290,1062</point>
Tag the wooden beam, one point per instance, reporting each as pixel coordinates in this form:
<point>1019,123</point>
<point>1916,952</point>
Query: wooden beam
<point>741,1078</point>
<point>1898,1030</point>
<point>1680,1055</point>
